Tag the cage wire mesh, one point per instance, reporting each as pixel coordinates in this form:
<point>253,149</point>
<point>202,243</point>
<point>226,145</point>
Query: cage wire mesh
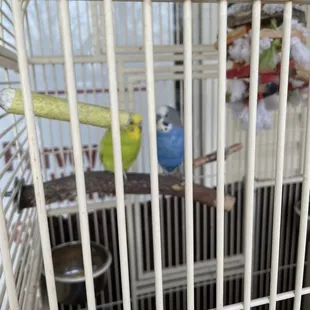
<point>44,36</point>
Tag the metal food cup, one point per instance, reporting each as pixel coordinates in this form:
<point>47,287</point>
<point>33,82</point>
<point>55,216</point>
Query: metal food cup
<point>69,271</point>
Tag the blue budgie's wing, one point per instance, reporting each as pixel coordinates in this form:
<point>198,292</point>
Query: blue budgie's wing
<point>170,148</point>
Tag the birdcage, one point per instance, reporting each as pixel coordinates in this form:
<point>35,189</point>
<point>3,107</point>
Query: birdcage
<point>228,230</point>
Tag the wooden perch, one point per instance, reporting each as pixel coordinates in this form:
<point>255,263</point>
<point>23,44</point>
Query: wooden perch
<point>137,184</point>
<point>64,188</point>
<point>213,156</point>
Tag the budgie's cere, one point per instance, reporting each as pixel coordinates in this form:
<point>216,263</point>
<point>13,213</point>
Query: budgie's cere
<point>170,138</point>
<point>130,144</point>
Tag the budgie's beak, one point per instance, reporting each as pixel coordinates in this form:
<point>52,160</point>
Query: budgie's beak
<point>158,117</point>
<point>140,126</point>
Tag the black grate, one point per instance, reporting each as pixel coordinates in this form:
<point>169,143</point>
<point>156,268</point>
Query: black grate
<point>106,222</point>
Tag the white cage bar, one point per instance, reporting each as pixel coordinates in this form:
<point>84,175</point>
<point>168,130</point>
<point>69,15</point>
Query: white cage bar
<point>7,262</point>
<point>160,259</point>
<point>148,44</point>
<point>77,151</point>
<point>222,9</point>
<point>119,185</point>
<point>249,212</point>
<point>188,153</point>
<point>287,18</point>
<point>34,152</point>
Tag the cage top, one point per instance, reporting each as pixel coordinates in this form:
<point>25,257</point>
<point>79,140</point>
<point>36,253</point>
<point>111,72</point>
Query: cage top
<point>218,1</point>
<point>305,2</point>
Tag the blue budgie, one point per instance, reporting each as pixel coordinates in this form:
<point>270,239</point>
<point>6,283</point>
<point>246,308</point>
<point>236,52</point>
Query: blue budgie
<point>170,138</point>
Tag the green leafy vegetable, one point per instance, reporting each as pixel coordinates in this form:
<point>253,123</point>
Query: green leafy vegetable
<point>267,57</point>
<point>273,23</point>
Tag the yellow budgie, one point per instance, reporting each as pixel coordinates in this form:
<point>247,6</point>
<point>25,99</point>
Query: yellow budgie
<point>130,144</point>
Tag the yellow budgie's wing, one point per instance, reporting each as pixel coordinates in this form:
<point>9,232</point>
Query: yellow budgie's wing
<point>130,150</point>
<point>106,151</point>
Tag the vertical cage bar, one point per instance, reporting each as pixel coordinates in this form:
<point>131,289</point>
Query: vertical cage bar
<point>251,141</point>
<point>303,219</point>
<point>34,152</point>
<point>7,262</point>
<point>285,57</point>
<point>77,151</point>
<point>116,140</point>
<point>149,64</point>
<point>221,131</point>
<point>188,152</point>
<point>132,253</point>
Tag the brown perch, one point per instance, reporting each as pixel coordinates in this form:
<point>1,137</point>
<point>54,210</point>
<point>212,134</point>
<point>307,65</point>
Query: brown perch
<point>137,183</point>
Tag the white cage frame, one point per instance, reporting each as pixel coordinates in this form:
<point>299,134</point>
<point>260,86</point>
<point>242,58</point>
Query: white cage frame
<point>148,54</point>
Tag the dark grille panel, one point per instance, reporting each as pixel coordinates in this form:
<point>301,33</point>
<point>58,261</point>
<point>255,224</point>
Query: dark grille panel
<point>103,229</point>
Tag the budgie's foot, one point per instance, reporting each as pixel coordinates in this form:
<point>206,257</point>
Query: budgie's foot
<point>165,173</point>
<point>173,173</point>
<point>125,176</point>
<point>177,174</point>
